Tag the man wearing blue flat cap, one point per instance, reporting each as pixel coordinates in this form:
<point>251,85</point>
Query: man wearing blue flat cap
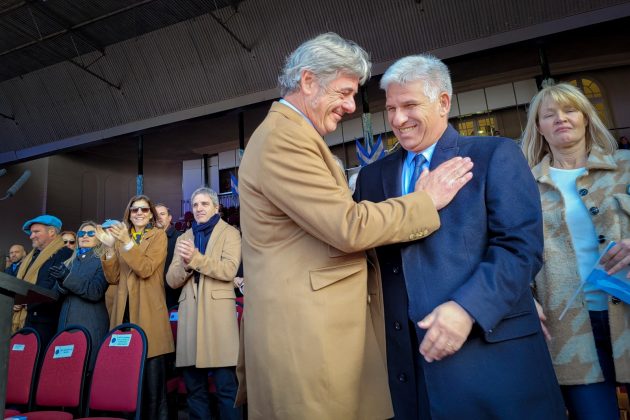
<point>48,251</point>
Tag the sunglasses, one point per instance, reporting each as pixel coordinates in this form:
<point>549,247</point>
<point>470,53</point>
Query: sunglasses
<point>83,233</point>
<point>71,242</point>
<point>144,210</point>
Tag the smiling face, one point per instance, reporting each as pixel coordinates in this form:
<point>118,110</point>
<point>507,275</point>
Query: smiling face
<point>562,125</point>
<point>203,208</point>
<point>417,121</point>
<point>326,105</point>
<point>85,240</point>
<point>140,214</point>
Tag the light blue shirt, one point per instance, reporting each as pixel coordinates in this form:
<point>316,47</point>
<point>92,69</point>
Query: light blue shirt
<point>290,105</point>
<point>408,167</point>
<point>582,233</point>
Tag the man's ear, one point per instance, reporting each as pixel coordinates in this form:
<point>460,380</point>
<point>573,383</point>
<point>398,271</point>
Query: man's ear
<point>445,104</point>
<point>308,82</point>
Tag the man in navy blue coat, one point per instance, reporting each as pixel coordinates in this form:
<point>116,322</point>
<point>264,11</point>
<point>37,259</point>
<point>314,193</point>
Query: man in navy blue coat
<point>463,336</point>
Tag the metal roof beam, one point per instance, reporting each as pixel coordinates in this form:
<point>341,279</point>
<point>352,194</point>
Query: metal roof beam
<point>52,16</point>
<point>64,57</point>
<point>232,34</point>
<point>72,28</point>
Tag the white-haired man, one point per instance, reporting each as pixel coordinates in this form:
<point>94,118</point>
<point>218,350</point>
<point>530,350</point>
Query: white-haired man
<point>463,336</point>
<point>313,328</point>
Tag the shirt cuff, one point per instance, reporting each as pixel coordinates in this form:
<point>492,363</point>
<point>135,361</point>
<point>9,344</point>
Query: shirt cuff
<point>128,246</point>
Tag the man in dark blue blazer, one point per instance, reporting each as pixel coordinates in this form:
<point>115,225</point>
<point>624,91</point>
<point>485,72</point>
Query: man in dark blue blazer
<point>463,336</point>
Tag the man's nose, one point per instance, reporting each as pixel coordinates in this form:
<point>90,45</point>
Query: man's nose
<point>349,105</point>
<point>397,118</point>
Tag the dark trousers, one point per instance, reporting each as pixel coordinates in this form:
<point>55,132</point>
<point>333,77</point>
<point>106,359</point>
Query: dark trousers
<point>154,406</point>
<point>599,400</point>
<point>196,380</point>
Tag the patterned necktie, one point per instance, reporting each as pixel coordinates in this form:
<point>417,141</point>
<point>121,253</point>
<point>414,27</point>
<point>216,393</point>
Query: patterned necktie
<point>418,161</point>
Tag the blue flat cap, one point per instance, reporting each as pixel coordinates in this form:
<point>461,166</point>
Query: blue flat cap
<point>44,219</point>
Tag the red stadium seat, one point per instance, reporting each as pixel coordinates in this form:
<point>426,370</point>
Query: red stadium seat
<point>119,370</point>
<point>62,375</point>
<point>23,355</point>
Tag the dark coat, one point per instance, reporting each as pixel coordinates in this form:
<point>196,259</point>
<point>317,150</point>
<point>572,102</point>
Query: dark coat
<point>172,295</point>
<point>83,299</point>
<point>484,257</point>
<point>44,317</point>
<point>12,270</point>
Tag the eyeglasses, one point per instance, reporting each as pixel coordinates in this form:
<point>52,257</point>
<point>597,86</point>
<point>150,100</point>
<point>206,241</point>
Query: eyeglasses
<point>83,233</point>
<point>144,210</point>
<point>71,242</point>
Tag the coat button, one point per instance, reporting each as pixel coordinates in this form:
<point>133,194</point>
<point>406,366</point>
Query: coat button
<point>615,300</point>
<point>593,210</point>
<point>412,236</point>
<point>397,326</point>
<point>396,270</point>
<point>601,239</point>
<point>402,377</point>
<point>583,192</point>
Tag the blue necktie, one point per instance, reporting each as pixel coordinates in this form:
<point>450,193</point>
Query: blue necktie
<point>418,161</point>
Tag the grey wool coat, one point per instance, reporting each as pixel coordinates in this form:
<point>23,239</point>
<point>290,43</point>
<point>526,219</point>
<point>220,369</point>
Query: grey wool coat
<point>83,299</point>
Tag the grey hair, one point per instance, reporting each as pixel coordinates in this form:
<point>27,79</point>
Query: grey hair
<point>326,55</point>
<point>424,68</point>
<point>207,191</point>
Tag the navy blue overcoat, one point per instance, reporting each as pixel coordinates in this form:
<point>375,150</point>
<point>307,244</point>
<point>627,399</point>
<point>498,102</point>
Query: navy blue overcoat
<point>484,257</point>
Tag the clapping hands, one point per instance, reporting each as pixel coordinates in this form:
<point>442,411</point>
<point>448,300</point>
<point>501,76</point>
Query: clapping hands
<point>59,272</point>
<point>116,231</point>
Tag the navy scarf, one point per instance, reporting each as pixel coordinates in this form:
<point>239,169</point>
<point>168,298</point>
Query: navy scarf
<point>202,232</point>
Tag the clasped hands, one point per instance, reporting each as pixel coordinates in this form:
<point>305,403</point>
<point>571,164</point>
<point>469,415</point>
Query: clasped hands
<point>116,232</point>
<point>185,249</point>
<point>448,327</point>
<point>59,272</point>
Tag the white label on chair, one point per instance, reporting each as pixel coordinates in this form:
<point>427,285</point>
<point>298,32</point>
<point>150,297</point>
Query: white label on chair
<point>173,316</point>
<point>18,347</point>
<point>120,340</point>
<point>62,352</point>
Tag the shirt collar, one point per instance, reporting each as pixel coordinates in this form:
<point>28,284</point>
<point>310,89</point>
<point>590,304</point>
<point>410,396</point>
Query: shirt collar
<point>427,153</point>
<point>290,105</point>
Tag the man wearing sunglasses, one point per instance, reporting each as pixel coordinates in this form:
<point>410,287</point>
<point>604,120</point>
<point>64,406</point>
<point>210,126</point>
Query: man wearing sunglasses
<point>48,251</point>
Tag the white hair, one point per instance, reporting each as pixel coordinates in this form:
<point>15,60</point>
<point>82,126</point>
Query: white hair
<point>207,191</point>
<point>425,68</point>
<point>326,56</point>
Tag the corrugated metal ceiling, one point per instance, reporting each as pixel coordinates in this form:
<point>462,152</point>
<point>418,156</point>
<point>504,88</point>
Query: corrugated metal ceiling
<point>38,33</point>
<point>213,59</point>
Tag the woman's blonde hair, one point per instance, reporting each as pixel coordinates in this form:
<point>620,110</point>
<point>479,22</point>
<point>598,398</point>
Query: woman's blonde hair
<point>535,146</point>
<point>98,249</point>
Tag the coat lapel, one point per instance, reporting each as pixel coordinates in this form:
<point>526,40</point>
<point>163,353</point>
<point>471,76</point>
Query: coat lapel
<point>391,172</point>
<point>446,148</point>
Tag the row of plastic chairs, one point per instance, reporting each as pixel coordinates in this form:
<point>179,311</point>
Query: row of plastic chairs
<point>116,381</point>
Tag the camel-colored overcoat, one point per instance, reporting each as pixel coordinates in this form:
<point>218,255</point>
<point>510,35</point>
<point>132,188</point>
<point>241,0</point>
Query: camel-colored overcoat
<point>207,330</point>
<point>314,345</point>
<point>139,275</point>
